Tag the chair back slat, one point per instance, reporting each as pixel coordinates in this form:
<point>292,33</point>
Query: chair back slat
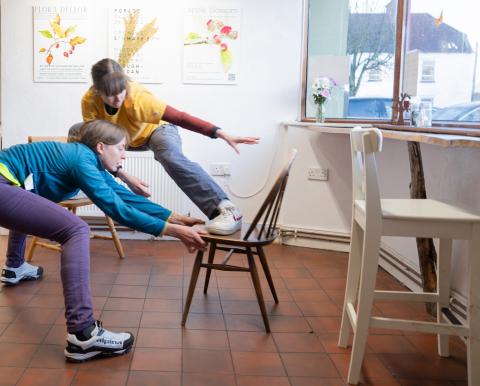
<point>365,143</point>
<point>32,138</point>
<point>273,200</point>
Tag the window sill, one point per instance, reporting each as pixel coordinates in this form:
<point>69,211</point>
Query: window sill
<point>429,135</point>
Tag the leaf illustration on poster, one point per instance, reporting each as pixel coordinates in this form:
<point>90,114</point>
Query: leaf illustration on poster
<point>211,43</point>
<point>135,43</point>
<point>61,52</point>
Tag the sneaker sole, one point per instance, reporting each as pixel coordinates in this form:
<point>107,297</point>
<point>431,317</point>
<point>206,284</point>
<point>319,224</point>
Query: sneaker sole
<point>222,232</point>
<point>79,358</point>
<point>9,281</point>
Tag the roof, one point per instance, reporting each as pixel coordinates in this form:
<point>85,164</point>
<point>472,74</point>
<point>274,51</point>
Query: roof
<point>375,32</point>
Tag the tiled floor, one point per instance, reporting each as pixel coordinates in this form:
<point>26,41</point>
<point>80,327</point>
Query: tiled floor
<point>224,342</point>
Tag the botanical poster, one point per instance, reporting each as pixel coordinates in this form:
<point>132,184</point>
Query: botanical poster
<point>211,53</point>
<point>60,43</point>
<point>134,41</point>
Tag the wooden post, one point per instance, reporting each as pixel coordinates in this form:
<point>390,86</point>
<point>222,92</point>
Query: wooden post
<point>426,249</point>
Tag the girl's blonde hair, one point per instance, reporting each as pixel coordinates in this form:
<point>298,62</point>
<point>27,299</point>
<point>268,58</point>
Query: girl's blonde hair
<point>93,132</point>
<point>109,78</point>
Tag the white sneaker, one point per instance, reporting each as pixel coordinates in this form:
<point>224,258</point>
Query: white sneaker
<point>102,343</point>
<point>227,222</point>
<point>24,272</point>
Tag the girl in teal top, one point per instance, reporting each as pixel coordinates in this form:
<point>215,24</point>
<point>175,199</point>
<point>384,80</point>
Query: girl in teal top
<point>59,170</point>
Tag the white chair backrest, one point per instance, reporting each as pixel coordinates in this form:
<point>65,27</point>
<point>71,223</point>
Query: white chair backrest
<point>365,143</point>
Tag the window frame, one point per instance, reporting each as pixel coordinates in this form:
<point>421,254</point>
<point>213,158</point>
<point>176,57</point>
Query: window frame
<point>403,9</point>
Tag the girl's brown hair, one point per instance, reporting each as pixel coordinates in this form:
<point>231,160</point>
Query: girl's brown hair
<point>109,78</point>
<point>93,132</point>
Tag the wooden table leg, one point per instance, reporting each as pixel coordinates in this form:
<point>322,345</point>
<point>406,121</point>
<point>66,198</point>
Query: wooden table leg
<point>427,254</point>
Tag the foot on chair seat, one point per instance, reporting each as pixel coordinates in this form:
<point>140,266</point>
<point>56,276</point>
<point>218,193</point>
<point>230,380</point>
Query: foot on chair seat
<point>227,222</point>
<point>24,272</point>
<point>98,343</point>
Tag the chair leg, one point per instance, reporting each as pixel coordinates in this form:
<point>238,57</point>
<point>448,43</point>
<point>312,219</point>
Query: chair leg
<point>368,274</point>
<point>473,316</point>
<point>353,277</point>
<point>266,270</point>
<point>443,289</point>
<point>191,287</point>
<point>116,240</point>
<point>258,288</point>
<point>211,255</point>
<point>31,248</point>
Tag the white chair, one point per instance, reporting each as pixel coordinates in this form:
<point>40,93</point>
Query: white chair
<point>373,218</point>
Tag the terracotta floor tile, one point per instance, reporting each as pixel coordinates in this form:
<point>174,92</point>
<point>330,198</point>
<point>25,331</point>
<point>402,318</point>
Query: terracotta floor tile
<point>316,381</point>
<point>298,342</point>
<point>51,357</point>
<point>390,344</point>
<point>315,295</point>
<point>47,301</point>
<point>9,376</point>
<point>100,378</point>
<point>132,279</point>
<point>56,335</point>
<point>166,280</point>
<point>121,318</point>
<point>205,322</point>
<point>252,380</point>
<point>288,324</point>
<point>159,338</point>
<point>161,319</point>
<point>153,378</point>
<point>258,363</point>
<point>25,333</point>
<point>8,314</point>
<point>50,377</point>
<point>205,339</point>
<point>309,364</point>
<point>33,315</point>
<point>206,306</point>
<point>251,341</point>
<point>162,305</point>
<point>156,359</point>
<point>324,324</point>
<point>128,291</point>
<point>174,293</point>
<point>207,361</point>
<point>202,379</point>
<point>16,355</point>
<point>302,283</point>
<point>244,323</point>
<point>123,304</point>
<point>326,308</point>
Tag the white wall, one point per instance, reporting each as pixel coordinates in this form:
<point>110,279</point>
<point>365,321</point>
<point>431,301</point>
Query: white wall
<point>267,92</point>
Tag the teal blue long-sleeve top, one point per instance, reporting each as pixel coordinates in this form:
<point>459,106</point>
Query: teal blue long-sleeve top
<point>60,170</point>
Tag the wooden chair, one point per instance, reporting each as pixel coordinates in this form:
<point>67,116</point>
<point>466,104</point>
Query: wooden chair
<point>248,241</point>
<point>373,218</point>
<point>72,206</point>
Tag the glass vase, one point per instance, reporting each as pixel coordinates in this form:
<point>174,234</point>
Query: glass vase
<point>320,113</point>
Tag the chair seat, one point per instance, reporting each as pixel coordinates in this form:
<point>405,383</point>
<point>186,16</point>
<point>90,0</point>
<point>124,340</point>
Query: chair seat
<point>237,238</point>
<point>422,209</point>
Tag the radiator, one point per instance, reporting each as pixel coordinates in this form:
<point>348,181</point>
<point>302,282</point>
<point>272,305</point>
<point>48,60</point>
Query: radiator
<point>164,191</point>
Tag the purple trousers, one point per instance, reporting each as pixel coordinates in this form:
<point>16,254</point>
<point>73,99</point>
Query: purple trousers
<point>25,213</point>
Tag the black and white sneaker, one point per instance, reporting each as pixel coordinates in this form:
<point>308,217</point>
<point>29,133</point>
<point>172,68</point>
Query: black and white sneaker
<point>102,343</point>
<point>24,272</point>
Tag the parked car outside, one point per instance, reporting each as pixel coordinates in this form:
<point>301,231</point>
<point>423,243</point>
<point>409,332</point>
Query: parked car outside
<point>464,112</point>
<point>370,107</point>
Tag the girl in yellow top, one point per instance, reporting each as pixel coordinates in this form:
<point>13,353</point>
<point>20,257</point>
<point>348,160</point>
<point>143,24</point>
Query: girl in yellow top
<point>152,123</point>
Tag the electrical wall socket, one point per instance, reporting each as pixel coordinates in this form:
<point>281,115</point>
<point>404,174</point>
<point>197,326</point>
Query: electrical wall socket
<point>318,174</point>
<point>220,169</point>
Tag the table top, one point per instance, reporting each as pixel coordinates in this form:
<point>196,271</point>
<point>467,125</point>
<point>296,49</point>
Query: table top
<point>443,140</point>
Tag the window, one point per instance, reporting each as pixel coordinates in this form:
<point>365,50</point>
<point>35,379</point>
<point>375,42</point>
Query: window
<point>428,71</point>
<point>359,44</point>
<point>375,75</point>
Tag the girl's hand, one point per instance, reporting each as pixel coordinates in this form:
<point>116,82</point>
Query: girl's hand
<point>180,219</point>
<point>187,235</point>
<point>234,141</point>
